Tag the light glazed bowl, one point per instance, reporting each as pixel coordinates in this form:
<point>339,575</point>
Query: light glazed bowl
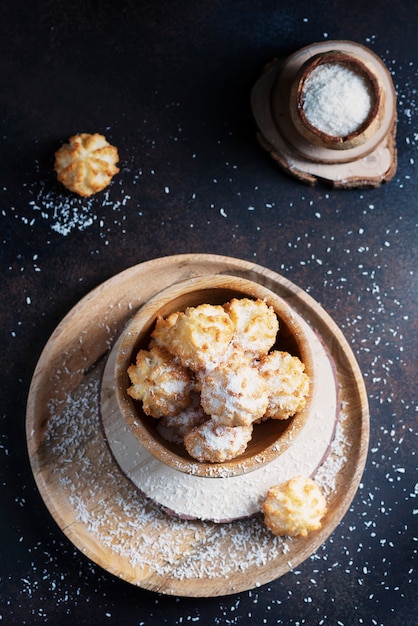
<point>271,437</point>
<point>318,137</point>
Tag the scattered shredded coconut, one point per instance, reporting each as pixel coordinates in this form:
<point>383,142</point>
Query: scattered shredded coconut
<point>326,475</point>
<point>128,522</point>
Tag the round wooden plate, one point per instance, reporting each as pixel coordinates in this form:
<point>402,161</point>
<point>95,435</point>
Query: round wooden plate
<point>97,506</point>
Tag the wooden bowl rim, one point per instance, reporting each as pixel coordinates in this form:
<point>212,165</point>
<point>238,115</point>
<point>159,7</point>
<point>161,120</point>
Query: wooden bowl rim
<point>132,337</point>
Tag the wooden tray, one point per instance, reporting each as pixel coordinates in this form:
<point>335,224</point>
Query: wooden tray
<point>103,513</point>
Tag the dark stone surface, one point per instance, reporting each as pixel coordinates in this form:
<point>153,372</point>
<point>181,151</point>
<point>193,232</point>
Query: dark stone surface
<point>168,84</point>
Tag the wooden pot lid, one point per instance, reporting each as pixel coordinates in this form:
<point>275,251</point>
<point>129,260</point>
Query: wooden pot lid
<point>369,164</point>
<point>100,509</point>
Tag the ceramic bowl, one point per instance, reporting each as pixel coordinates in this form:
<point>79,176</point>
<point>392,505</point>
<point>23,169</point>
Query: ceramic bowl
<point>297,98</point>
<point>271,437</point>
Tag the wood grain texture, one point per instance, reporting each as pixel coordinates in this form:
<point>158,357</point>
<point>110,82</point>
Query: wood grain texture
<point>99,509</point>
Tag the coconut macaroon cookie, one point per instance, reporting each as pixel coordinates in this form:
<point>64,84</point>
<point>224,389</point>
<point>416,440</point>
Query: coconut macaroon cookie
<point>295,507</point>
<point>255,324</point>
<point>162,384</point>
<point>287,382</point>
<point>234,393</point>
<point>86,164</point>
<point>198,336</point>
<point>215,443</point>
<point>174,428</point>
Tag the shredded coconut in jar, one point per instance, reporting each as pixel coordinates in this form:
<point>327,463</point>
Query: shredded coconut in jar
<point>336,99</point>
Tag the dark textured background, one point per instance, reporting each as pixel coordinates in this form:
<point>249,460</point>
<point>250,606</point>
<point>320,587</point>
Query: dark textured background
<point>168,83</point>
